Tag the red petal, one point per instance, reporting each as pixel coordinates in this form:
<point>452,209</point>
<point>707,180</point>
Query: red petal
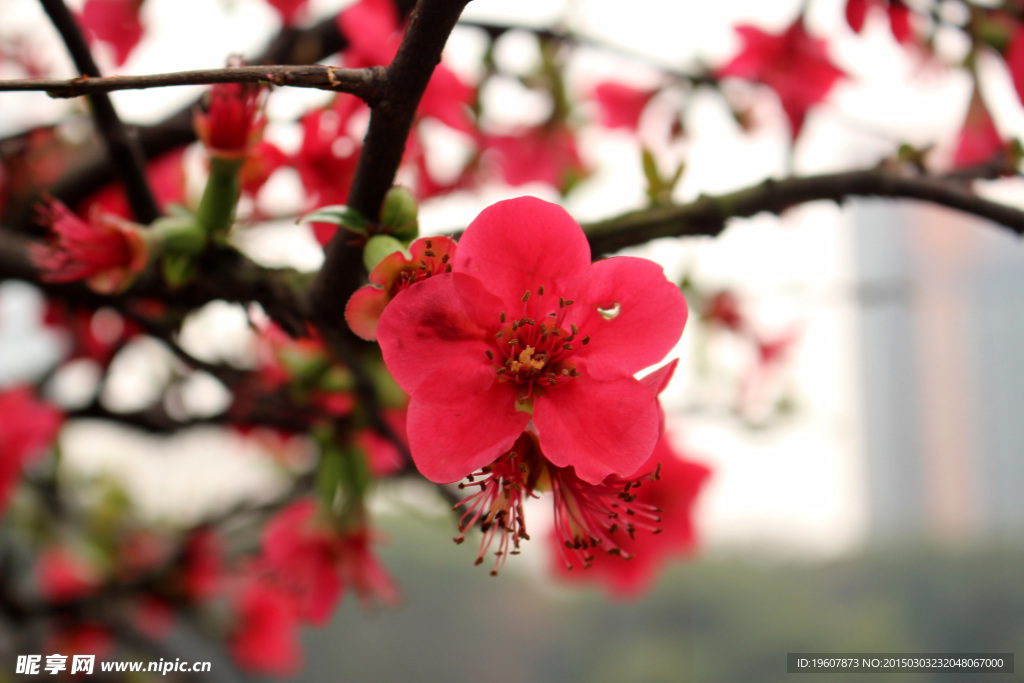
<point>599,428</point>
<point>439,324</point>
<point>364,309</point>
<point>856,11</point>
<point>455,428</point>
<point>651,316</point>
<point>899,22</point>
<point>519,244</point>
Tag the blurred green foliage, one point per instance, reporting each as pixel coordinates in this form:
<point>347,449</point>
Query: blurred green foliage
<point>718,618</point>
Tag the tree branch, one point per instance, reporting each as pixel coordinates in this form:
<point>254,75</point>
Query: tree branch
<point>707,216</point>
<point>364,83</point>
<point>391,120</point>
<point>290,46</point>
<point>122,149</point>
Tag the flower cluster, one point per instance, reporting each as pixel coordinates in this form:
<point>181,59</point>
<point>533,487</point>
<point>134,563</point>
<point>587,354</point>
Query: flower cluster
<point>521,362</point>
<point>304,569</point>
<point>106,251</point>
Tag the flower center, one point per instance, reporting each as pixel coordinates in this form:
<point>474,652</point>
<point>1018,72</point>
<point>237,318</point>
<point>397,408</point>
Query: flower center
<point>536,350</point>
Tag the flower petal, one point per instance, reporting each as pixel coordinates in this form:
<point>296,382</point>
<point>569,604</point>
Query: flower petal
<point>518,244</point>
<point>599,428</point>
<point>438,324</point>
<point>364,309</point>
<point>457,428</point>
<point>645,316</point>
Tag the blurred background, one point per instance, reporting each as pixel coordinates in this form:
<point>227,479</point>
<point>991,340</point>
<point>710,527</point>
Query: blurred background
<point>865,490</point>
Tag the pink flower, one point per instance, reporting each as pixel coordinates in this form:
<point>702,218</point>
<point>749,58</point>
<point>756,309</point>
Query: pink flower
<point>232,121</point>
<point>27,427</point>
<point>326,161</point>
<point>979,141</point>
<point>314,564</point>
<point>264,158</point>
<point>723,308</point>
<point>525,327</point>
<point>370,27</point>
<point>288,9</point>
<point>856,13</point>
<point>201,565</point>
<point>427,256</point>
<point>265,638</point>
<point>108,252</point>
<point>80,638</point>
<point>672,491</point>
<point>115,22</point>
<point>302,556</point>
<point>793,64</point>
<point>374,34</point>
<point>64,576</point>
<point>166,176</point>
<point>899,17</point>
<point>363,572</point>
<point>383,457</point>
<point>538,154</point>
<point>621,105</point>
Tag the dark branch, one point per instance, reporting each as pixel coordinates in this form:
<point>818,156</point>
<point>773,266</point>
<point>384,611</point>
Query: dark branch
<point>364,83</point>
<point>708,216</point>
<point>391,120</point>
<point>123,150</point>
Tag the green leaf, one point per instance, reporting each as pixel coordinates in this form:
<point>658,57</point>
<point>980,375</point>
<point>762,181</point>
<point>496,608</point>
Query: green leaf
<point>339,215</point>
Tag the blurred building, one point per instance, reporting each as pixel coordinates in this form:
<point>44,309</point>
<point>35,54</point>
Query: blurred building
<point>942,377</point>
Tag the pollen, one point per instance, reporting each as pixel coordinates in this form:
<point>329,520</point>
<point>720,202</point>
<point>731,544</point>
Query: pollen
<point>527,361</point>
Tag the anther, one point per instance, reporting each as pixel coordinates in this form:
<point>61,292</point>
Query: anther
<point>526,297</point>
<point>502,316</point>
<point>575,330</point>
<point>567,347</point>
<point>586,340</point>
<point>445,257</point>
<point>430,244</point>
<point>540,290</point>
<point>429,253</point>
<point>490,354</point>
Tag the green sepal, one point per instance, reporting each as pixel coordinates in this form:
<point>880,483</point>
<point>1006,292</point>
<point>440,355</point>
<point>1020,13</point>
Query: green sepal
<point>339,215</point>
<point>179,235</point>
<point>659,188</point>
<point>399,214</point>
<point>1016,152</point>
<point>343,479</point>
<point>178,269</point>
<point>217,207</point>
<point>380,247</point>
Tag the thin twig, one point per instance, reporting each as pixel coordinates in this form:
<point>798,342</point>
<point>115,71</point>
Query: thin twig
<point>123,150</point>
<point>363,83</point>
<point>708,215</point>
